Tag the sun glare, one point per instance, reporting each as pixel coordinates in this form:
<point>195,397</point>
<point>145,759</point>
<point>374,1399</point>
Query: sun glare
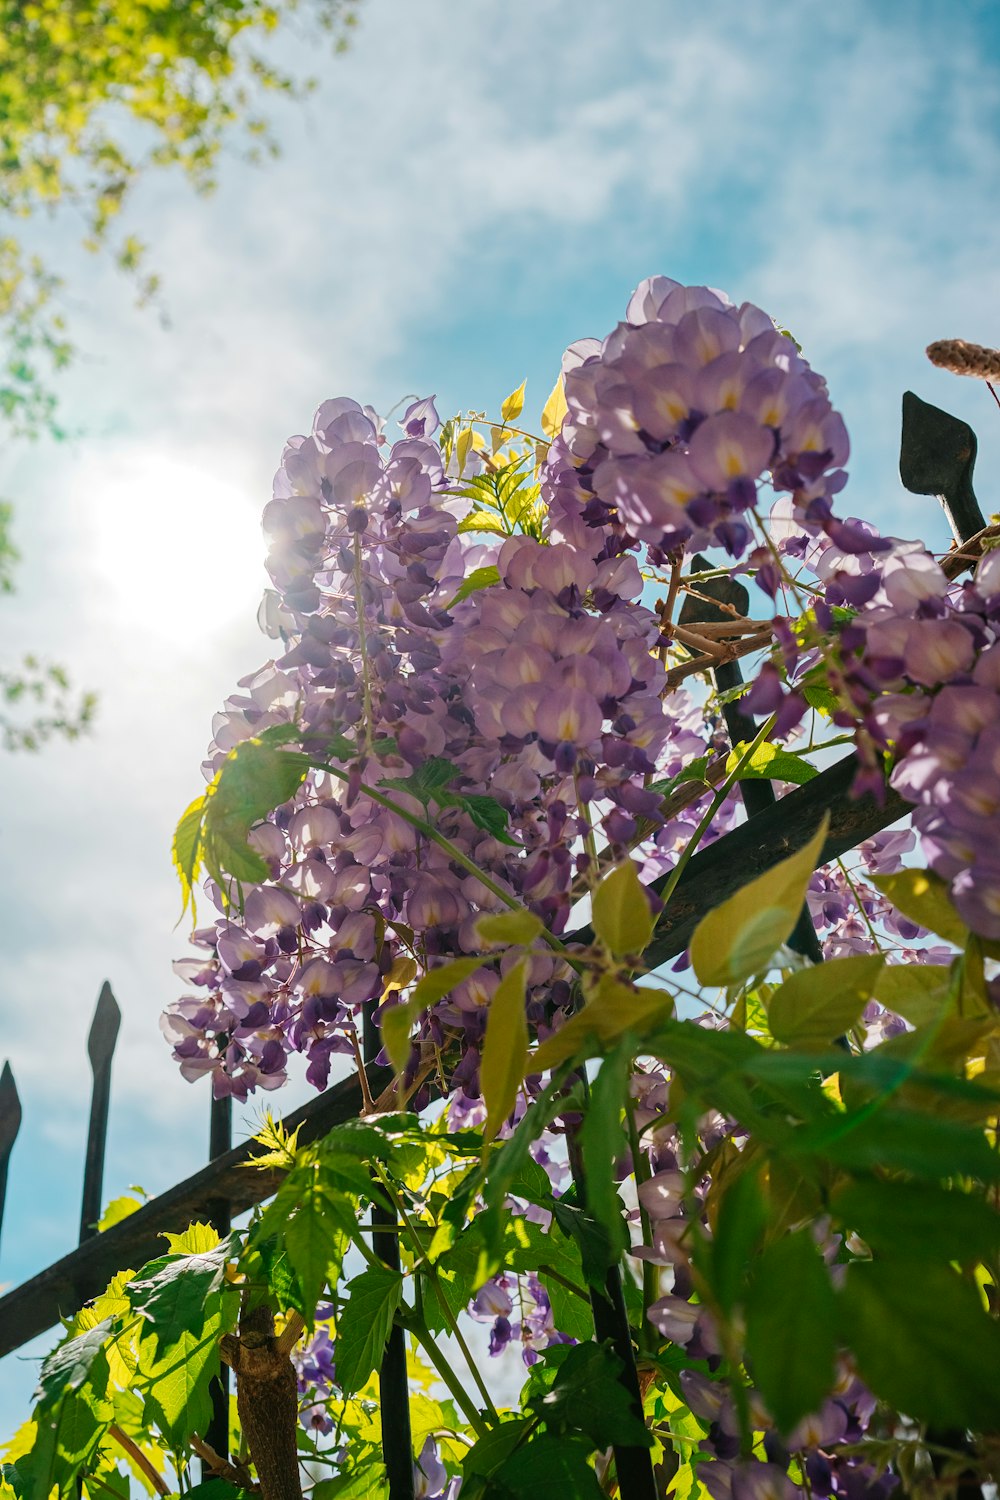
<point>175,549</point>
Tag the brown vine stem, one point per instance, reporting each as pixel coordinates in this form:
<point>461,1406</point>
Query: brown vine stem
<point>139,1458</point>
<point>221,1467</point>
<point>954,563</point>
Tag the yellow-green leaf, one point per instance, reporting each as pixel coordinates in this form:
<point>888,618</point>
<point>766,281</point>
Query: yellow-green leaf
<point>509,927</point>
<point>197,1239</point>
<point>622,918</point>
<point>923,897</point>
<point>117,1210</point>
<point>186,850</point>
<point>554,410</point>
<point>514,404</point>
<point>920,993</point>
<point>395,1027</point>
<point>437,983</point>
<point>505,1049</point>
<point>820,1003</point>
<point>613,1009</point>
<point>740,937</point>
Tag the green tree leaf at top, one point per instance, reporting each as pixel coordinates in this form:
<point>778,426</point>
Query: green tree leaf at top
<point>923,897</point>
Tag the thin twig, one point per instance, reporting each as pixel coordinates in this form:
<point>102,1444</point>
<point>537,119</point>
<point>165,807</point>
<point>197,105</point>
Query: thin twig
<point>290,1334</point>
<point>139,1459</point>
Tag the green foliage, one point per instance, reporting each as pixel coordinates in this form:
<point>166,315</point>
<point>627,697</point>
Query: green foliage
<point>622,919</point>
<point>37,703</point>
<point>791,1328</point>
<point>364,1323</point>
<point>739,938</point>
<point>92,98</point>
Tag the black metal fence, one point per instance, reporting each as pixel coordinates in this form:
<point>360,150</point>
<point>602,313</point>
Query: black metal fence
<point>937,457</point>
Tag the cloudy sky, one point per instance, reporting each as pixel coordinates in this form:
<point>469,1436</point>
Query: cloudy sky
<point>470,189</point>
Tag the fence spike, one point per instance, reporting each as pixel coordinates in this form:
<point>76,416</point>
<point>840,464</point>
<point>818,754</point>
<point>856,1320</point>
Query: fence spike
<point>101,1043</point>
<point>10,1124</point>
<point>937,454</point>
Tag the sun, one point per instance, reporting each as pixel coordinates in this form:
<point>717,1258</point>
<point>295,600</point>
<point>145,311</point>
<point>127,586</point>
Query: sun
<point>175,548</point>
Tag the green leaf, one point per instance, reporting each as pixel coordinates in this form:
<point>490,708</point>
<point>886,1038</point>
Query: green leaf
<point>612,1009</point>
<point>739,1229</point>
<point>587,1396</point>
<point>817,1004</point>
<point>72,1363</point>
<point>514,404</point>
<point>314,1241</point>
<point>923,897</point>
<point>505,1049</point>
<point>931,1147</point>
<point>770,762</point>
<point>427,782</point>
<point>485,1456</point>
<point>176,1383</point>
<point>487,814</point>
<point>602,1142</point>
<point>545,1468</point>
<point>920,993</point>
<point>621,915</point>
<point>791,1324</point>
<point>740,937</point>
<point>598,1251</point>
<point>440,981</point>
<point>922,1341</point>
<point>173,1293</point>
<point>509,927</point>
<point>364,1325</point>
<point>479,578</point>
<point>918,1222</point>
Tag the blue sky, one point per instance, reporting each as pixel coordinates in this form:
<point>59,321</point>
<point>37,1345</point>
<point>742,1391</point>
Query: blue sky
<point>470,189</point>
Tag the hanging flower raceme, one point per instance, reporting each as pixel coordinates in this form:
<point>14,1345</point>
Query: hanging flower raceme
<point>679,416</point>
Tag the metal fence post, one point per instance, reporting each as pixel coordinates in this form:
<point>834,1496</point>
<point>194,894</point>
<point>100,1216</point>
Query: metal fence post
<point>10,1124</point>
<point>220,1139</point>
<point>100,1048</point>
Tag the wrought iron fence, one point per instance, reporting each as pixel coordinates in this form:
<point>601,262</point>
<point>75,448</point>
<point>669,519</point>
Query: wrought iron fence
<point>937,457</point>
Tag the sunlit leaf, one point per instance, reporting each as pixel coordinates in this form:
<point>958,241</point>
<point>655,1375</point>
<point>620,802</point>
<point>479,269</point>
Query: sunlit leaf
<point>740,937</point>
<point>512,408</point>
<point>817,1004</point>
<point>923,897</point>
<point>555,410</point>
<point>621,915</point>
<point>505,1049</point>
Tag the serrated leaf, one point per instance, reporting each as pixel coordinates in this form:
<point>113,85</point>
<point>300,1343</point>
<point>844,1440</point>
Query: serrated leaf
<point>487,814</point>
<point>612,1009</point>
<point>549,1467</point>
<point>174,1292</point>
<point>740,937</point>
<point>621,915</point>
<point>509,927</point>
<point>196,1239</point>
<point>176,1384</point>
<point>514,404</point>
<point>70,1364</point>
<point>186,851</point>
<point>117,1210</point>
<point>922,1341</point>
<point>505,1049</point>
<point>923,897</point>
<point>364,1324</point>
<point>427,782</point>
<point>479,578</point>
<point>587,1396</point>
<point>554,410</point>
<point>770,762</point>
<point>817,1004</point>
<point>479,520</point>
<point>791,1328</point>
